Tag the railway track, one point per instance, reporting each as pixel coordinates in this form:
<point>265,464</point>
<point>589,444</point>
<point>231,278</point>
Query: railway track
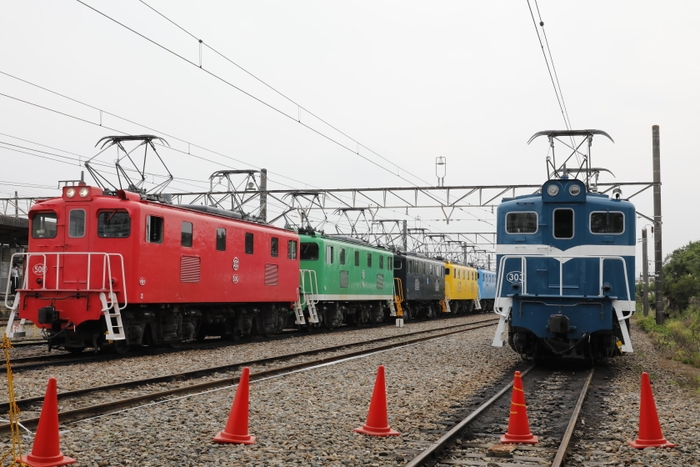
<point>142,394</point>
<point>554,401</point>
<point>63,358</point>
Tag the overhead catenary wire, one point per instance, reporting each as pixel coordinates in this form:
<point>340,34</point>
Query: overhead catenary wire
<point>549,61</point>
<point>267,104</point>
<point>102,125</point>
<point>108,127</point>
<point>201,43</point>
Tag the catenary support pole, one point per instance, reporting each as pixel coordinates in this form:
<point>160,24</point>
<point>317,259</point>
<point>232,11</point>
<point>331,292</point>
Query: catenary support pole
<point>658,257</point>
<point>645,273</point>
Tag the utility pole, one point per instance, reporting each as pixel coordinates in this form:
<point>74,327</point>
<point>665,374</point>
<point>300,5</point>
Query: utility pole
<point>658,258</point>
<point>645,273</point>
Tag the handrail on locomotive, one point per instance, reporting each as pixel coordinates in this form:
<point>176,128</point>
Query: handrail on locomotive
<point>105,287</point>
<point>499,280</point>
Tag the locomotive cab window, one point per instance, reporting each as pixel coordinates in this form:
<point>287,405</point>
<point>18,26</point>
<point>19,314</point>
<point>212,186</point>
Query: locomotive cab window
<point>309,251</point>
<point>607,222</point>
<point>274,247</point>
<point>521,222</point>
<point>389,263</point>
<point>563,223</point>
<point>76,223</point>
<point>113,224</point>
<point>220,239</point>
<point>154,229</point>
<point>186,234</point>
<point>329,254</point>
<point>249,243</point>
<point>291,249</point>
<point>342,256</point>
<point>44,225</point>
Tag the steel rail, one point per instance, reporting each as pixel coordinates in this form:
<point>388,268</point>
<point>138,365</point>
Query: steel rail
<point>434,450</point>
<point>81,413</point>
<point>566,439</point>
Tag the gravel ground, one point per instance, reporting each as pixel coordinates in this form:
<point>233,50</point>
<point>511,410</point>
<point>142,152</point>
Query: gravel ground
<point>308,418</point>
<point>675,390</point>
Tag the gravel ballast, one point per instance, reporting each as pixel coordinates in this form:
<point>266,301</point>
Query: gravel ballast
<point>307,418</point>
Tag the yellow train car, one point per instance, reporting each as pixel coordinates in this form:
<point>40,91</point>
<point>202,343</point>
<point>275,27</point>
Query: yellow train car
<point>461,289</point>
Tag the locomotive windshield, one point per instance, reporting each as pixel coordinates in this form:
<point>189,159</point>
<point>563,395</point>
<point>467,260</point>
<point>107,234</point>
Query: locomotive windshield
<point>309,251</point>
<point>607,222</point>
<point>113,224</point>
<point>44,225</point>
<point>521,222</point>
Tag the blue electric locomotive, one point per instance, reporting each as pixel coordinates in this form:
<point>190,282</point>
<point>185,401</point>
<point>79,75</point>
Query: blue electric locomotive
<point>565,262</point>
<point>486,281</point>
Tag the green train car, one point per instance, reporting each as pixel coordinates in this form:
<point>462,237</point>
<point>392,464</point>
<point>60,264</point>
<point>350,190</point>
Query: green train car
<point>344,281</point>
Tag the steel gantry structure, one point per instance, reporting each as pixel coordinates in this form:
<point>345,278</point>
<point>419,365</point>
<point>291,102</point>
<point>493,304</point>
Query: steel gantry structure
<point>390,216</point>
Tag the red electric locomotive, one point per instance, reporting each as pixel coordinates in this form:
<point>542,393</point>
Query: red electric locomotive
<point>107,268</point>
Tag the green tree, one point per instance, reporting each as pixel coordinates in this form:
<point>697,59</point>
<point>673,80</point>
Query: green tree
<point>681,276</point>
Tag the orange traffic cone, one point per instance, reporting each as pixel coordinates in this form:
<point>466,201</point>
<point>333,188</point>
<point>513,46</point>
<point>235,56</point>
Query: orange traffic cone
<point>518,426</point>
<point>236,430</point>
<point>377,421</point>
<point>46,451</point>
<point>650,435</point>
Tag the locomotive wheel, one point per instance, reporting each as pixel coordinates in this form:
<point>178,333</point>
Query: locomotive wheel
<point>121,347</point>
<point>236,335</point>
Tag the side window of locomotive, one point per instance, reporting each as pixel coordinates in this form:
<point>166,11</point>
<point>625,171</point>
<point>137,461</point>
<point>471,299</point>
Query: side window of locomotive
<point>186,234</point>
<point>521,222</point>
<point>44,225</point>
<point>76,223</point>
<point>309,251</point>
<point>342,256</point>
<point>607,222</point>
<point>274,247</point>
<point>390,263</point>
<point>291,249</point>
<point>357,259</point>
<point>220,239</point>
<point>369,260</point>
<point>381,262</point>
<point>563,223</point>
<point>113,224</point>
<point>329,254</point>
<point>154,229</point>
<point>249,242</point>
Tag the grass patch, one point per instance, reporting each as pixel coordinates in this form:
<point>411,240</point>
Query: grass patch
<point>679,336</point>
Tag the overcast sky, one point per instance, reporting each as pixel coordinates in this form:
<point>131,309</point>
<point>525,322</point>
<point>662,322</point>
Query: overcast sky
<point>405,81</point>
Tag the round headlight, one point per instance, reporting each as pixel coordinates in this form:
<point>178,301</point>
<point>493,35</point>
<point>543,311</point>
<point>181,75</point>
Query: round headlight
<point>574,190</point>
<point>552,190</point>
<point>70,192</point>
<point>84,191</point>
